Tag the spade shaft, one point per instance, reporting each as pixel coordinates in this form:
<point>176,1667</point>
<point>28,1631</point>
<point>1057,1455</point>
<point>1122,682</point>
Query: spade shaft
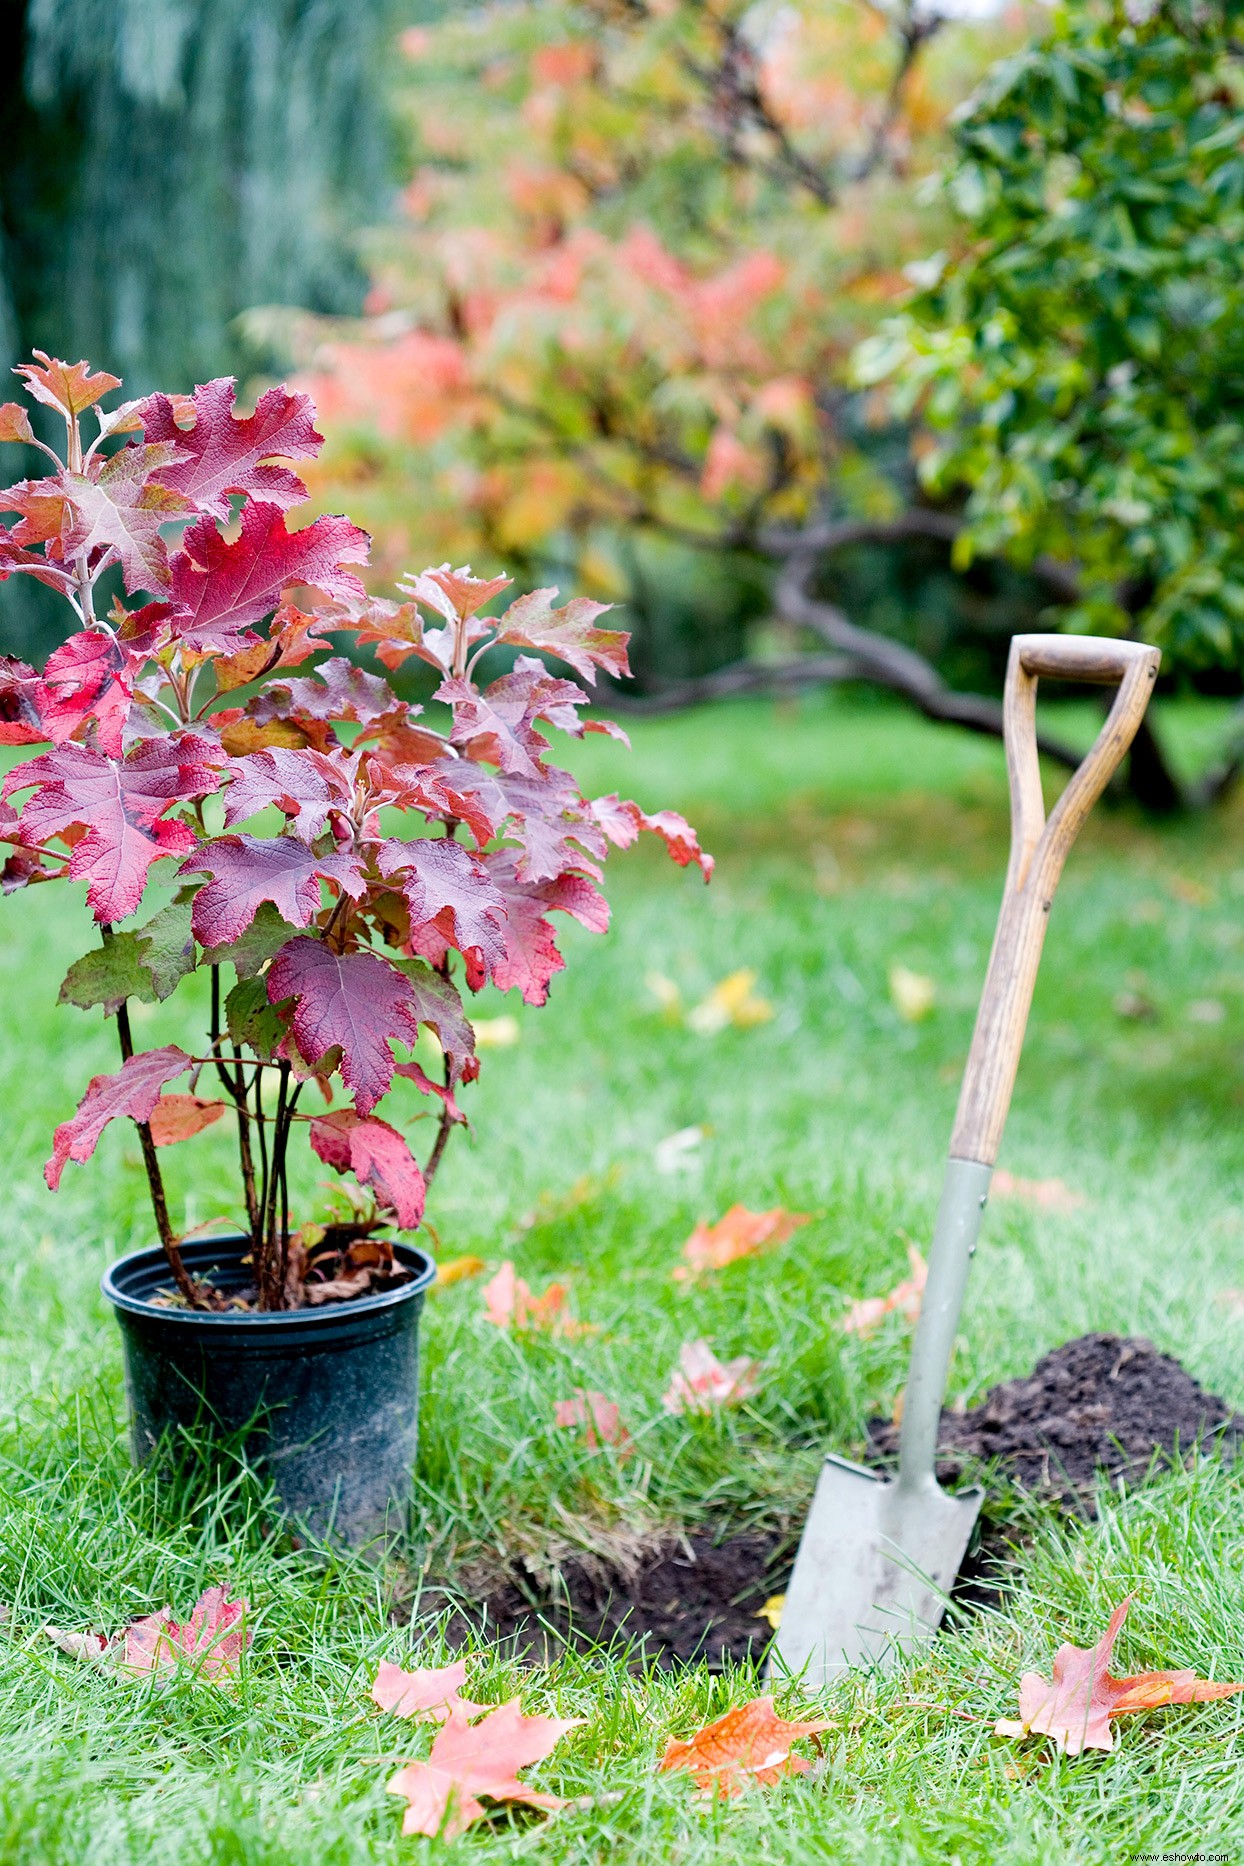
<point>878,1556</point>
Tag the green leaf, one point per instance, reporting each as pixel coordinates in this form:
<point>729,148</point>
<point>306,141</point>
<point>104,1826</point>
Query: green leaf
<point>108,975</point>
<point>262,940</point>
<point>251,1020</point>
<point>166,944</point>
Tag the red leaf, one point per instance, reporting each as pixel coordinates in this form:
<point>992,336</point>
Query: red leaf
<point>307,786</point>
<point>459,791</point>
<point>1075,1706</point>
<point>569,633</point>
<point>119,509</point>
<point>622,822</point>
<point>702,1381</point>
<point>377,1155</point>
<point>13,558</point>
<point>498,725</point>
<point>179,1117</point>
<point>468,1760</point>
<point>249,870</point>
<point>749,1744</point>
<point>68,387</point>
<point>336,690</point>
<point>438,1005</point>
<point>426,1086</point>
<point>220,588</point>
<point>509,1302</point>
<point>134,1090</point>
<point>597,1416</point>
<point>120,803</point>
<point>352,1001</point>
<point>552,823</point>
<point>90,676</point>
<point>433,1693</point>
<point>21,720</point>
<point>450,895</point>
<point>454,594</point>
<point>531,955</point>
<point>222,452</point>
<point>213,1639</point>
<point>739,1234</point>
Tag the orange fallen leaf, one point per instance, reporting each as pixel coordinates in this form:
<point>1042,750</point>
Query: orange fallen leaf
<point>457,1270</point>
<point>749,1744</point>
<point>599,1418</point>
<point>177,1117</point>
<point>1075,1706</point>
<point>702,1381</point>
<point>1049,1195</point>
<point>509,1302</point>
<point>431,1692</point>
<point>739,1234</point>
<point>868,1312</point>
<point>469,1760</point>
<point>213,1640</point>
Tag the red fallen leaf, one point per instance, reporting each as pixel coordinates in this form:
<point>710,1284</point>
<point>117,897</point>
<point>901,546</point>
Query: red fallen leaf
<point>749,1744</point>
<point>177,1117</point>
<point>702,1381</point>
<point>599,1418</point>
<point>213,1639</point>
<point>468,1760</point>
<point>134,1090</point>
<point>868,1312</point>
<point>1075,1706</point>
<point>67,387</point>
<point>434,1693</point>
<point>377,1155</point>
<point>509,1303</point>
<point>739,1234</point>
<point>1050,1195</point>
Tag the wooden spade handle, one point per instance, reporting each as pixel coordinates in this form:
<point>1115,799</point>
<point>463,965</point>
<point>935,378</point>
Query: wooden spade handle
<point>1038,850</point>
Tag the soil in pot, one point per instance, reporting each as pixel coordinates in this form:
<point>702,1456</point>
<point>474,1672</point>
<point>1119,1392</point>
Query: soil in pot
<point>1101,1404</point>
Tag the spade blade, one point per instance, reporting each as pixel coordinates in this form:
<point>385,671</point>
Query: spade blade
<point>874,1569</point>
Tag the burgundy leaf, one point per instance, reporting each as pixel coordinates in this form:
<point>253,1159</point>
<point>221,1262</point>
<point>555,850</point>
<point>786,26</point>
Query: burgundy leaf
<point>554,826</point>
<point>622,822</point>
<point>120,803</point>
<point>90,676</point>
<point>220,588</point>
<point>499,724</point>
<point>426,1086</point>
<point>307,786</point>
<point>224,453</point>
<point>134,1090</point>
<point>438,1005</point>
<point>531,955</point>
<point>21,720</point>
<point>355,1002</point>
<point>378,1157</point>
<point>336,690</point>
<point>447,890</point>
<point>569,633</point>
<point>456,790</point>
<point>249,870</point>
<point>120,509</point>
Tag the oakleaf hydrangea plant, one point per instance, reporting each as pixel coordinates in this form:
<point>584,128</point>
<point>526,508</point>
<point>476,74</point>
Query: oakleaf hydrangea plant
<point>410,861</point>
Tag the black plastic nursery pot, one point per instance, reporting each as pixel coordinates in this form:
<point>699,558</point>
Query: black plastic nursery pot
<point>324,1400</point>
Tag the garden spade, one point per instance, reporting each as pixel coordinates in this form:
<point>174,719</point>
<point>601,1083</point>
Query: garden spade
<point>878,1556</point>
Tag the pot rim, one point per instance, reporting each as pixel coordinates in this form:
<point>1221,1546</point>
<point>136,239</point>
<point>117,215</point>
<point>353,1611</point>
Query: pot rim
<point>219,1249</point>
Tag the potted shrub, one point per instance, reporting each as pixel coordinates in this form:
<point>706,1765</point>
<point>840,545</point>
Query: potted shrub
<point>342,867</point>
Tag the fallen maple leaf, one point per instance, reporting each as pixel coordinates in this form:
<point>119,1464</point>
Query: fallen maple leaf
<point>749,1744</point>
<point>739,1234</point>
<point>510,1303</point>
<point>431,1692</point>
<point>1049,1195</point>
<point>773,1610</point>
<point>212,1640</point>
<point>599,1418</point>
<point>731,1001</point>
<point>468,1760</point>
<point>457,1270</point>
<point>702,1381</point>
<point>868,1312</point>
<point>675,1154</point>
<point>1075,1706</point>
<point>912,994</point>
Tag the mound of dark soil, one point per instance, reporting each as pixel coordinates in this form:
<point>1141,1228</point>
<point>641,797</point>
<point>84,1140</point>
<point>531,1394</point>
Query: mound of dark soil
<point>1100,1403</point>
<point>681,1600</point>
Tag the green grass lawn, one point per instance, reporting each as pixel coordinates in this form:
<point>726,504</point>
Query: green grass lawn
<point>849,838</point>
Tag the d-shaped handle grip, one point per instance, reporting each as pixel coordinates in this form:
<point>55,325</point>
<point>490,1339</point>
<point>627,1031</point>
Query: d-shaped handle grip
<point>1038,850</point>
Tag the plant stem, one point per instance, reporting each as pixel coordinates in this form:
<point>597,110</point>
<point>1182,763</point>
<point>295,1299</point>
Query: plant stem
<point>262,1204</point>
<point>271,1287</point>
<point>443,1131</point>
<point>155,1179</point>
<point>235,1084</point>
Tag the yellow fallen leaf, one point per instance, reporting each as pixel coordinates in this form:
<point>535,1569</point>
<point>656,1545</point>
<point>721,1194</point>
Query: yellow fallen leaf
<point>732,1000</point>
<point>457,1270</point>
<point>497,1033</point>
<point>912,994</point>
<point>773,1610</point>
<point>667,995</point>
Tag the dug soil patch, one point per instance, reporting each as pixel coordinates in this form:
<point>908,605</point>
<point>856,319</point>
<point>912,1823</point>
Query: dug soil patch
<point>1102,1403</point>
